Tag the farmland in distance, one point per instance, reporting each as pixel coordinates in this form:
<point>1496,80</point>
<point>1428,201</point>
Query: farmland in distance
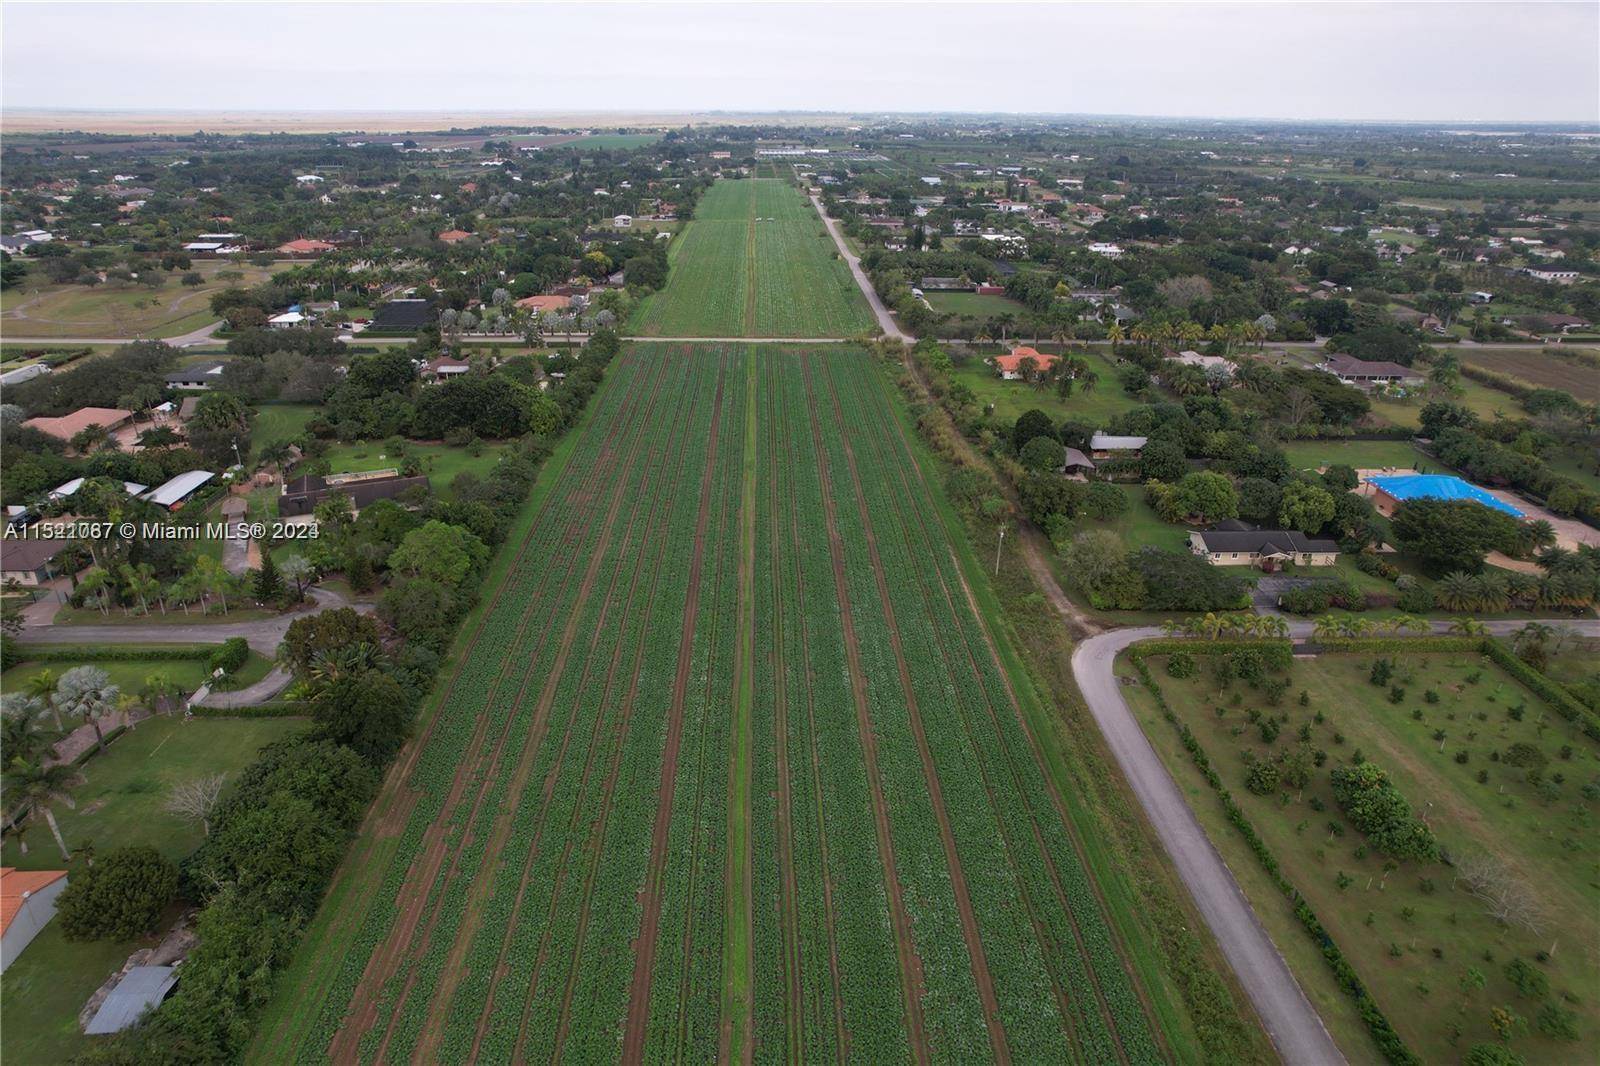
<point>755,262</point>
<point>726,766</point>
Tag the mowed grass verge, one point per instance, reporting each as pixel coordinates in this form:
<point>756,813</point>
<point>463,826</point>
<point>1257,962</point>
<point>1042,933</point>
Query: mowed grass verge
<point>755,262</point>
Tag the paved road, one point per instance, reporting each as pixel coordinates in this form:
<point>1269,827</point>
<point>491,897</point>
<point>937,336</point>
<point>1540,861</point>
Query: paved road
<point>1291,1021</point>
<point>886,321</point>
<point>264,635</point>
<point>183,340</point>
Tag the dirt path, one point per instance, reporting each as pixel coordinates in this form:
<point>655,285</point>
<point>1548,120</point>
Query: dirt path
<point>813,755</point>
<point>636,1027</point>
<point>482,885</point>
<point>386,959</point>
<point>788,889</point>
<point>482,879</point>
<point>886,320</point>
<point>898,459</point>
<point>607,801</point>
<point>930,773</point>
<point>659,493</point>
<point>905,946</point>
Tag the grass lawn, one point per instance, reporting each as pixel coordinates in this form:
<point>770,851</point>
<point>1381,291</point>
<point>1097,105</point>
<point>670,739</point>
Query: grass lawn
<point>1409,931</point>
<point>176,616</point>
<point>971,305</point>
<point>1358,454</point>
<point>1012,398</point>
<point>279,422</point>
<point>38,309</point>
<point>441,462</point>
<point>129,674</point>
<point>1480,399</point>
<point>119,803</point>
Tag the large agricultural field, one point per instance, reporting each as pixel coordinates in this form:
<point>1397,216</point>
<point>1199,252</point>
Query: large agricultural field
<point>726,766</point>
<point>755,262</point>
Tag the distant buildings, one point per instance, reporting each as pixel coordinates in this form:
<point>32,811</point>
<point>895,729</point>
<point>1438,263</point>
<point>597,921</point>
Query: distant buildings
<point>200,377</point>
<point>65,427</point>
<point>1362,373</point>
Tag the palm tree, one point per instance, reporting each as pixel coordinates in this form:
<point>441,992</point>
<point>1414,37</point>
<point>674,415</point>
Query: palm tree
<point>1468,627</point>
<point>42,686</point>
<point>1492,592</point>
<point>1326,626</point>
<point>1534,634</point>
<point>39,787</point>
<point>141,580</point>
<point>1536,535</point>
<point>1171,627</point>
<point>20,735</point>
<point>87,692</point>
<point>297,568</point>
<point>95,585</point>
<point>1115,334</point>
<point>1270,625</point>
<point>1456,592</point>
<point>1212,625</point>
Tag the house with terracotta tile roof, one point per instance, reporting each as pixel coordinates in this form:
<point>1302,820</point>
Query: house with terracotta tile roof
<point>27,903</point>
<point>454,236</point>
<point>1010,365</point>
<point>542,304</point>
<point>304,246</point>
<point>68,426</point>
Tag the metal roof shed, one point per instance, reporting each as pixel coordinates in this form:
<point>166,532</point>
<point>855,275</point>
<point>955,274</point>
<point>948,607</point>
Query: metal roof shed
<point>179,488</point>
<point>140,989</point>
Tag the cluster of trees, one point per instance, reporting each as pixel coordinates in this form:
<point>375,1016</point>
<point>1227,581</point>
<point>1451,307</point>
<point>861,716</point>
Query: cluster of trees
<point>1375,806</point>
<point>1115,578</point>
<point>1462,443</point>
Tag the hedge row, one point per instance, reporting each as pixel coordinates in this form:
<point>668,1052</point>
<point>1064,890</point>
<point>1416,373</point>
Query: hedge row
<point>255,710</point>
<point>39,653</point>
<point>1389,1042</point>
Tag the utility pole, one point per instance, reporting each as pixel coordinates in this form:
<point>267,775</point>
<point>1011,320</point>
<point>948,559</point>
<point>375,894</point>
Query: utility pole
<point>998,545</point>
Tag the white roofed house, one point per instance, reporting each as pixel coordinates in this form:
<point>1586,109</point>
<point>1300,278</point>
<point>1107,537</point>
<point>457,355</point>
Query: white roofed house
<point>288,320</point>
<point>1107,446</point>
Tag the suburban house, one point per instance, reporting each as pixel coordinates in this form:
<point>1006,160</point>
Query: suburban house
<point>403,316</point>
<point>444,367</point>
<point>201,376</point>
<point>304,246</point>
<point>455,236</point>
<point>1106,446</point>
<point>1360,372</point>
<point>1268,549</point>
<point>1010,365</point>
<point>622,221</point>
<point>544,304</point>
<point>301,496</point>
<point>1552,274</point>
<point>289,320</point>
<point>1077,464</point>
<point>1389,491</point>
<point>1204,362</point>
<point>27,903</point>
<point>29,561</point>
<point>172,494</point>
<point>68,426</point>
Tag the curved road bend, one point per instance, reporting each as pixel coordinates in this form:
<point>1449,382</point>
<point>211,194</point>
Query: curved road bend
<point>1291,1021</point>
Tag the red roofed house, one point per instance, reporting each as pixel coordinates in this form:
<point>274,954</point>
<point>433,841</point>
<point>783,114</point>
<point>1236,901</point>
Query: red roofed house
<point>1010,366</point>
<point>541,304</point>
<point>454,236</point>
<point>304,246</point>
<point>469,186</point>
<point>27,903</point>
<point>68,426</point>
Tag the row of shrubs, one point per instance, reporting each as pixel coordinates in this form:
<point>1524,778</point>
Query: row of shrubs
<point>1391,1044</point>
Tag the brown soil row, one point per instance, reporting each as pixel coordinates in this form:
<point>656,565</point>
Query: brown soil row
<point>386,962</point>
<point>482,884</point>
<point>958,879</point>
<point>905,948</point>
<point>636,1026</point>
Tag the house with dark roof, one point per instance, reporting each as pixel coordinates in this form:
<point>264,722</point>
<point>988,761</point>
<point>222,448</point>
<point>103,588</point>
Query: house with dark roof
<point>28,560</point>
<point>1269,549</point>
<point>1362,372</point>
<point>301,496</point>
<point>404,316</point>
<point>199,376</point>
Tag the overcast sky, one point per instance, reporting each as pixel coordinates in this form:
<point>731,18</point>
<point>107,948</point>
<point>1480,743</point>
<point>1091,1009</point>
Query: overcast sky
<point>1457,61</point>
